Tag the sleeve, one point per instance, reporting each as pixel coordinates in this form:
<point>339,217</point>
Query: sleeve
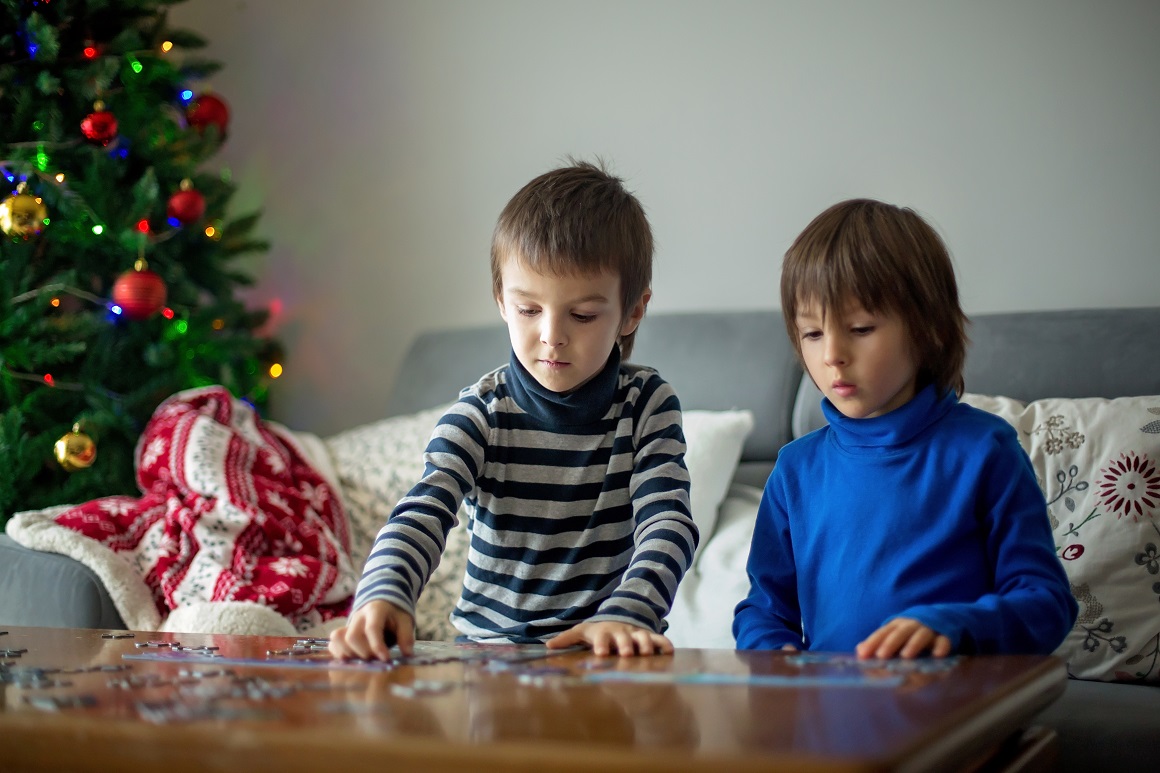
<point>407,549</point>
<point>665,536</point>
<point>1031,609</point>
<point>770,616</point>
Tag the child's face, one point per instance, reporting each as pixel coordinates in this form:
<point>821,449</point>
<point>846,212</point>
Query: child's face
<point>864,363</point>
<point>562,329</point>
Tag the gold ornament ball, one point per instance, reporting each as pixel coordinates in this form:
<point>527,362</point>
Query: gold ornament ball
<point>75,451</point>
<point>22,214</point>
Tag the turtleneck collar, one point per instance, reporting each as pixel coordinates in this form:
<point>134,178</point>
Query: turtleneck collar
<point>581,406</point>
<point>896,428</point>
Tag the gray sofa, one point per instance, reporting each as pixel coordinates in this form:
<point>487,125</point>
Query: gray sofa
<point>742,359</point>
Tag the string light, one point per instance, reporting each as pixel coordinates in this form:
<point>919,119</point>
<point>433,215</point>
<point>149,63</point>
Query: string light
<point>218,324</point>
<point>167,46</point>
<point>60,177</point>
<point>90,52</point>
<point>135,63</point>
<point>167,313</point>
<point>143,226</point>
<point>210,231</point>
<point>275,370</point>
<point>98,229</point>
<point>55,302</point>
<point>48,379</point>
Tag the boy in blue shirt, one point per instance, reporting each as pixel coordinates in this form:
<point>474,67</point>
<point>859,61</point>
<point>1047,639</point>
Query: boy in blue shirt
<point>570,460</point>
<point>913,523</point>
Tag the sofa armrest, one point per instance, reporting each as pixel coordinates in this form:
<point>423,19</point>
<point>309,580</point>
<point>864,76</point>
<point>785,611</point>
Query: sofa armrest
<point>51,590</point>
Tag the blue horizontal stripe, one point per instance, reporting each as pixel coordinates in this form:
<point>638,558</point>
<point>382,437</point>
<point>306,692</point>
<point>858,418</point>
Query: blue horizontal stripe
<point>523,554</point>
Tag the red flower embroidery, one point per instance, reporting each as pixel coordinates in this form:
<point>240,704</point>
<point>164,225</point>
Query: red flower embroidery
<point>1130,485</point>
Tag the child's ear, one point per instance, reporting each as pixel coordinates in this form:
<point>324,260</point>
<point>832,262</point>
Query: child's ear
<point>635,314</point>
<point>502,310</point>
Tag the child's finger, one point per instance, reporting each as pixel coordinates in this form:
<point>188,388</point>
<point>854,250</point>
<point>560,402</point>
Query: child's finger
<point>643,643</point>
<point>355,643</point>
<point>868,646</point>
<point>337,646</point>
<point>566,639</point>
<point>895,635</point>
<point>404,633</point>
<point>649,643</point>
<point>662,643</point>
<point>623,644</point>
<point>919,642</point>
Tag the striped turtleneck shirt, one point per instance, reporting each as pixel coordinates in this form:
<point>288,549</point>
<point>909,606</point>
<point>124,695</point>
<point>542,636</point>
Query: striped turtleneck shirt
<point>578,504</point>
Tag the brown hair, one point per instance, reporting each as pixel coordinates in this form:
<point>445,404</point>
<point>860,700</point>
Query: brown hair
<point>578,219</point>
<point>890,260</point>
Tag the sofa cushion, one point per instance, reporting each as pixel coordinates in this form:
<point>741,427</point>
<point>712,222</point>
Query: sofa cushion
<point>1097,462</point>
<point>30,577</point>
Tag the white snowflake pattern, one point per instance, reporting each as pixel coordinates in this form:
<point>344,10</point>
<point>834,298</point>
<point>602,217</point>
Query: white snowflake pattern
<point>275,499</point>
<point>275,461</point>
<point>287,543</point>
<point>153,451</point>
<point>316,495</point>
<point>117,506</point>
<point>289,567</point>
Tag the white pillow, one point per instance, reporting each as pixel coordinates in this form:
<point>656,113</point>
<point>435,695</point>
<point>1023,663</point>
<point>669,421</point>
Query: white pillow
<point>714,440</point>
<point>702,613</point>
<point>1097,463</point>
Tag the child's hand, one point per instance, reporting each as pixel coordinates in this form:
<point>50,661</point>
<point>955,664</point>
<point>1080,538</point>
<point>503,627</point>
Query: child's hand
<point>365,635</point>
<point>608,638</point>
<point>904,637</point>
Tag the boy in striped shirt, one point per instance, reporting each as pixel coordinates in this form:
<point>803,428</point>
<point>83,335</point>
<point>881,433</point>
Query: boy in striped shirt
<point>571,461</point>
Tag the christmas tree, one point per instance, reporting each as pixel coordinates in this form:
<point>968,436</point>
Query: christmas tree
<point>118,273</point>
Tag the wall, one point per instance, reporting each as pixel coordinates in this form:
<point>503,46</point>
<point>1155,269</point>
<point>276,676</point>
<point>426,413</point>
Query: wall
<point>382,138</point>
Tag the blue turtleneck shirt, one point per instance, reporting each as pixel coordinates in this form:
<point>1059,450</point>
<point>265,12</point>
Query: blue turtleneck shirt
<point>931,512</point>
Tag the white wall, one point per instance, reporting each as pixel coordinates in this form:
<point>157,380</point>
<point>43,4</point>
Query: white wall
<point>382,138</point>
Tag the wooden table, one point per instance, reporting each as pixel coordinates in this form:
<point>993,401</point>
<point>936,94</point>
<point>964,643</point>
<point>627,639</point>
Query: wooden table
<point>807,716</point>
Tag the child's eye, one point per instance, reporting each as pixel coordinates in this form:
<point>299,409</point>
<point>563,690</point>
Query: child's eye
<point>811,335</point>
<point>863,330</point>
<point>526,312</point>
<point>583,317</point>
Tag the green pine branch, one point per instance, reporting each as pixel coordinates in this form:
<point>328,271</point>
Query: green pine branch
<point>65,357</point>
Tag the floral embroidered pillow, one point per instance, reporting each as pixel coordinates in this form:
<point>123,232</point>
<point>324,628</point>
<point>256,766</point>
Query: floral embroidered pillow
<point>1098,463</point>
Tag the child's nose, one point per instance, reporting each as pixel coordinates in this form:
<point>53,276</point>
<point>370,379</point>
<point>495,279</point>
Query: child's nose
<point>552,330</point>
<point>835,351</point>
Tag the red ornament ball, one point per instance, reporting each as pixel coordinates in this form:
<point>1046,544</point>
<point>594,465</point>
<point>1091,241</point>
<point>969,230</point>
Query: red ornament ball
<point>207,110</point>
<point>187,205</point>
<point>139,293</point>
<point>99,126</point>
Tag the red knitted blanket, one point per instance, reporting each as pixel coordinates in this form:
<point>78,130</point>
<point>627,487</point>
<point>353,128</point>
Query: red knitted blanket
<point>231,511</point>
